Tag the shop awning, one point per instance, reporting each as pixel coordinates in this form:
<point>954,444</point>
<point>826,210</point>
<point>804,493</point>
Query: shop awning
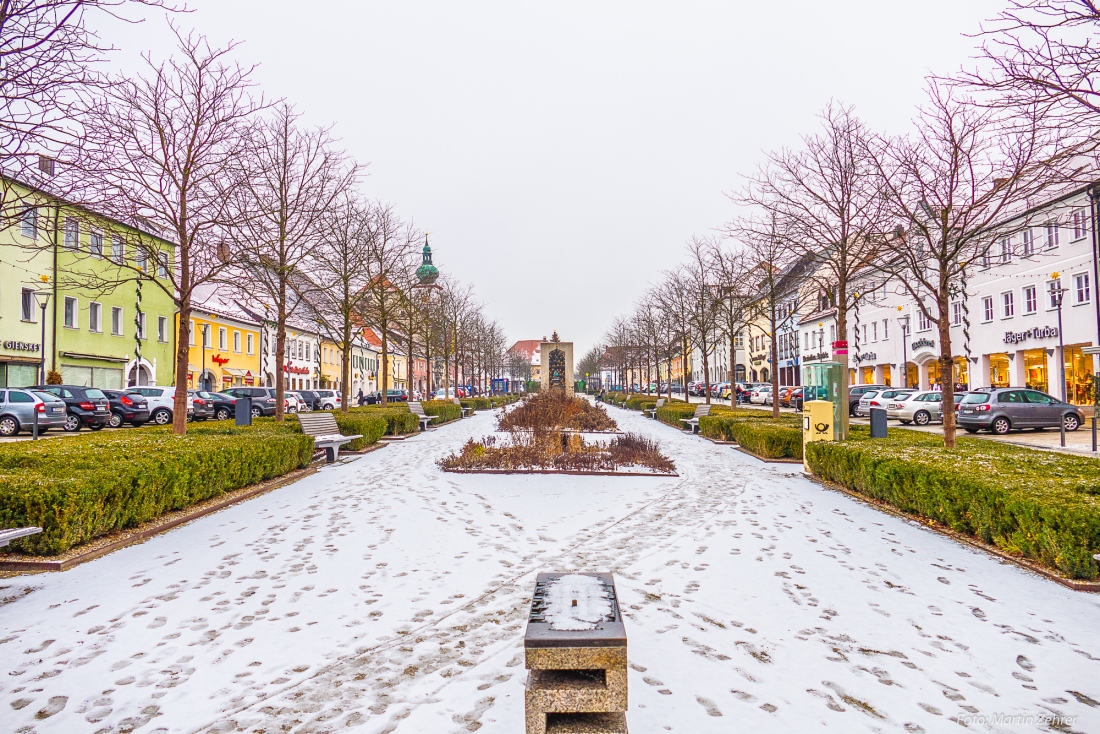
<point>234,371</point>
<point>99,357</point>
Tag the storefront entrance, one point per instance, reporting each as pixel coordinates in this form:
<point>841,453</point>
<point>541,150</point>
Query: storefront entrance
<point>868,375</point>
<point>886,376</point>
<point>962,373</point>
<point>1035,369</point>
<point>999,375</point>
<point>912,375</point>
<point>933,374</point>
<point>1078,375</point>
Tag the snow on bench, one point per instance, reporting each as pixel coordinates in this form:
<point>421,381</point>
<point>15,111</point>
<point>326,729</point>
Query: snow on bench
<point>418,410</point>
<point>326,434</point>
<point>692,423</point>
<point>10,534</point>
<point>652,412</point>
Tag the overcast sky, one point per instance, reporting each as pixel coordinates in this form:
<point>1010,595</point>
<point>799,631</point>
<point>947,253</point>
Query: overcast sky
<point>561,154</point>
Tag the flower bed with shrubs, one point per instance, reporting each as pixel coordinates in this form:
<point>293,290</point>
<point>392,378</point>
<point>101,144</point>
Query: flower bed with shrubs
<point>79,488</point>
<point>557,452</point>
<point>556,411</point>
<point>1040,505</point>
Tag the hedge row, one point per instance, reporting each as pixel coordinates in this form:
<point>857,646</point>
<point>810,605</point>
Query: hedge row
<point>82,487</point>
<point>445,409</point>
<point>671,413</point>
<point>370,427</point>
<point>1041,505</point>
<point>756,431</point>
<point>397,416</point>
<point>476,403</point>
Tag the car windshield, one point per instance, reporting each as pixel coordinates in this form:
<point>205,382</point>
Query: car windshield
<point>975,398</point>
<point>95,394</point>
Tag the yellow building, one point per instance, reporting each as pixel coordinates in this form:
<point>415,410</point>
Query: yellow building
<point>225,347</point>
<point>331,361</point>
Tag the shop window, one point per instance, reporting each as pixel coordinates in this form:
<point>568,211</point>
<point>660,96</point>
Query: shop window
<point>116,320</point>
<point>1008,305</point>
<point>28,223</point>
<point>95,317</point>
<point>962,373</point>
<point>72,233</point>
<point>1080,229</point>
<point>1052,235</point>
<point>987,308</point>
<point>95,244</point>
<point>887,378</point>
<point>1078,376</point>
<point>1081,288</point>
<point>70,312</point>
<point>1031,300</point>
<point>1035,369</point>
<point>222,338</point>
<point>1028,243</point>
<point>868,374</point>
<point>999,370</point>
<point>162,328</point>
<point>26,305</point>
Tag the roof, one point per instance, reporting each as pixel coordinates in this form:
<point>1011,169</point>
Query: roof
<point>216,299</point>
<point>527,346</point>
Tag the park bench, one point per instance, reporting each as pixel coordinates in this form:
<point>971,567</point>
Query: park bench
<point>465,411</point>
<point>325,432</point>
<point>10,534</point>
<point>418,410</point>
<point>652,412</point>
<point>692,423</point>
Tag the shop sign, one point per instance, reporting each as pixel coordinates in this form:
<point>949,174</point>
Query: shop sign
<point>295,369</point>
<point>220,360</point>
<point>22,346</point>
<point>1044,332</point>
<point>867,357</point>
<point>819,357</point>
<point>923,343</point>
<point>840,346</point>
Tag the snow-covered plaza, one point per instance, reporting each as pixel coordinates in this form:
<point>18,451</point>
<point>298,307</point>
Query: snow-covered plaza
<point>383,595</point>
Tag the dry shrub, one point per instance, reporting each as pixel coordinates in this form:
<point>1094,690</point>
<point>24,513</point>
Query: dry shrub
<point>554,410</point>
<point>554,450</point>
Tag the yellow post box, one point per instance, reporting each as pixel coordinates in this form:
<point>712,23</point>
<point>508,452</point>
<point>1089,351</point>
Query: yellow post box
<point>817,424</point>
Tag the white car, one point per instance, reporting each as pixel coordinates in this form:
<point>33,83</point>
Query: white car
<point>162,402</point>
<point>292,403</point>
<point>760,394</point>
<point>330,399</point>
<point>442,394</point>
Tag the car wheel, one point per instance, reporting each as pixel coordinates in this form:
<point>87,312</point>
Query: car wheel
<point>223,414</point>
<point>922,418</point>
<point>256,412</point>
<point>72,423</point>
<point>1071,422</point>
<point>162,417</point>
<point>8,426</point>
<point>98,426</point>
<point>116,421</point>
<point>1001,426</point>
<point>905,422</point>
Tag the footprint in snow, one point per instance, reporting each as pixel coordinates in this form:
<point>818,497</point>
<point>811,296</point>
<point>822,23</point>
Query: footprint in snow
<point>709,706</point>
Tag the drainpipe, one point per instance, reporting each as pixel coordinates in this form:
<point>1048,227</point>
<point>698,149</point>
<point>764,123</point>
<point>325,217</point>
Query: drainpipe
<point>53,278</point>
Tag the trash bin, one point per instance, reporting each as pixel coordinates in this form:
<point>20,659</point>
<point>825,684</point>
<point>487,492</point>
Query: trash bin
<point>244,411</point>
<point>878,422</point>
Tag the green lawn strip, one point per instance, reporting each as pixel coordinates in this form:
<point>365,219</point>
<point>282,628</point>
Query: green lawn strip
<point>1041,505</point>
<point>79,488</point>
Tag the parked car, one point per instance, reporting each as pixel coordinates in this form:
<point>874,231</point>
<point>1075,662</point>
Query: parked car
<point>1004,409</point>
<point>84,406</point>
<point>19,406</point>
<point>400,396</point>
<point>442,394</point>
<point>162,402</point>
<point>263,399</point>
<point>760,394</point>
<point>127,406</point>
<point>920,407</point>
<point>785,395</point>
<point>201,408</point>
<point>815,392</point>
<point>310,399</point>
<point>224,406</point>
<point>788,400</point>
<point>725,390</point>
<point>855,392</point>
<point>330,399</point>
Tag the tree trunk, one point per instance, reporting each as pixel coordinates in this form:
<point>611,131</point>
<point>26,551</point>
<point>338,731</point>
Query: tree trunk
<point>384,371</point>
<point>345,368</point>
<point>947,372</point>
<point>183,350</point>
<point>733,371</point>
<point>706,373</point>
<point>775,372</point>
<point>280,361</point>
<point>841,434</point>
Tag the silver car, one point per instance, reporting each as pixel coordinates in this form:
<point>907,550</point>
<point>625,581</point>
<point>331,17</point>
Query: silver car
<point>18,409</point>
<point>921,408</point>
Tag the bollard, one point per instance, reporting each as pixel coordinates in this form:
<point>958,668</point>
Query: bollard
<point>34,432</point>
<point>1093,433</point>
<point>878,423</point>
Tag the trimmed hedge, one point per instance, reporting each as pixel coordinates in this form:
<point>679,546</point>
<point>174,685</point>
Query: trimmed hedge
<point>445,409</point>
<point>370,427</point>
<point>756,432</point>
<point>398,418</point>
<point>1042,505</point>
<point>476,403</point>
<point>82,487</point>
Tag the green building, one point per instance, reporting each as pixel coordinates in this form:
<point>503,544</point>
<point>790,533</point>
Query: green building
<point>105,323</point>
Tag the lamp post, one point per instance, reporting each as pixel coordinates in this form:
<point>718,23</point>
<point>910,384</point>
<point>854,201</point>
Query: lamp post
<point>42,298</point>
<point>1057,293</point>
<point>903,322</point>
<point>202,377</point>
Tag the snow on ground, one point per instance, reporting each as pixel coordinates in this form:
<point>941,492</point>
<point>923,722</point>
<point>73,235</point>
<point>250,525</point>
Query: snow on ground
<point>384,595</point>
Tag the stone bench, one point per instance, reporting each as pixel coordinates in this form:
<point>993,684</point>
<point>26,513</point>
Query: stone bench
<point>326,434</point>
<point>692,423</point>
<point>418,410</point>
<point>652,412</point>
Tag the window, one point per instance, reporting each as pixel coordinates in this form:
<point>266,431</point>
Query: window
<point>237,342</point>
<point>1029,243</point>
<point>1031,300</point>
<point>987,259</point>
<point>885,329</point>
<point>1052,235</point>
<point>95,244</point>
<point>1079,227</point>
<point>865,333</point>
<point>874,331</point>
<point>162,328</point>
<point>832,333</point>
<point>191,332</point>
<point>1006,250</point>
<point>1008,305</point>
<point>26,304</point>
<point>70,312</point>
<point>987,308</point>
<point>1081,288</point>
<point>116,320</point>
<point>95,317</point>
<point>249,343</point>
<point>118,249</point>
<point>141,258</point>
<point>72,233</point>
<point>162,265</point>
<point>28,225</point>
<point>222,338</point>
<point>1053,286</point>
<point>206,342</point>
<point>307,351</point>
<point>302,348</point>
<point>956,313</point>
<point>923,322</point>
<point>140,324</point>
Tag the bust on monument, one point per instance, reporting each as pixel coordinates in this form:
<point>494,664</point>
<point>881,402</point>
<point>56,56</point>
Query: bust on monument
<point>557,358</point>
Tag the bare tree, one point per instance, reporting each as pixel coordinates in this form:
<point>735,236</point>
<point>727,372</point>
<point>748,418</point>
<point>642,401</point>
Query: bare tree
<point>825,198</point>
<point>735,296</point>
<point>952,185</point>
<point>164,153</point>
<point>292,177</point>
<point>703,304</point>
<point>456,303</point>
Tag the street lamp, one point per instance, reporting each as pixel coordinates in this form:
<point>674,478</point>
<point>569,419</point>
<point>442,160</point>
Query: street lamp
<point>42,298</point>
<point>903,321</point>
<point>202,377</point>
<point>1057,293</point>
